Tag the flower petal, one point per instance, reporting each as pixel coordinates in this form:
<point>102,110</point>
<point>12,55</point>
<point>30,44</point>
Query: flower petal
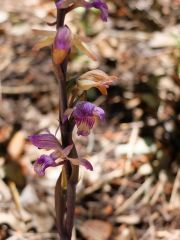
<point>99,112</point>
<point>81,161</point>
<point>83,48</point>
<point>86,164</point>
<point>45,141</point>
<point>57,155</point>
<point>42,163</point>
<point>85,125</point>
<point>83,109</point>
<point>102,89</point>
<point>67,114</point>
<point>43,43</point>
<point>85,84</point>
<point>61,154</point>
<point>45,33</point>
<point>67,150</point>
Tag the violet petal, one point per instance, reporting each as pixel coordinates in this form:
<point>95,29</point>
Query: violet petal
<point>45,141</point>
<point>81,161</point>
<point>83,109</point>
<point>86,164</point>
<point>67,150</point>
<point>99,112</point>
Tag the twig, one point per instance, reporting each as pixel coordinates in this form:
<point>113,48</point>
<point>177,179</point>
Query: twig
<point>106,178</point>
<point>132,140</point>
<point>16,90</point>
<point>131,147</point>
<point>160,187</point>
<point>135,196</point>
<point>16,199</point>
<point>175,196</point>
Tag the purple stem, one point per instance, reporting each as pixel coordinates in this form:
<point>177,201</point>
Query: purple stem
<point>65,200</point>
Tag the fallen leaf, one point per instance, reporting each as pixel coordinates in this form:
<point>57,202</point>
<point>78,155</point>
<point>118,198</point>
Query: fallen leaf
<point>96,230</point>
<point>16,145</point>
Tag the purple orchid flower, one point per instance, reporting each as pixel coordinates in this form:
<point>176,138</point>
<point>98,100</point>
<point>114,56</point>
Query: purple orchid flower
<point>99,4</point>
<point>85,115</point>
<point>58,156</point>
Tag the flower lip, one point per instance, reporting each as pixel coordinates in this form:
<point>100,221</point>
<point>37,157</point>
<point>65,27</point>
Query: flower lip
<point>43,162</point>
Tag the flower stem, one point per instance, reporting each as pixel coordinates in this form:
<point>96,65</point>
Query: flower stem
<point>65,197</point>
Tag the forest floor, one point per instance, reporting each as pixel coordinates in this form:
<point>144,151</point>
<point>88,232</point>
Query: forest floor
<point>134,191</point>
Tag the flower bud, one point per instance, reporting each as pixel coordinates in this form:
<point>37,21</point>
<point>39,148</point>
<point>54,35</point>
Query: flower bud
<point>62,44</point>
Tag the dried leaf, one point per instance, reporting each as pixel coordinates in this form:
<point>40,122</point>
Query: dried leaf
<point>16,145</point>
<point>96,230</point>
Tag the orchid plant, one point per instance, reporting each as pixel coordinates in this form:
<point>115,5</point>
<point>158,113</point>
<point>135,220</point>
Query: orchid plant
<point>74,110</point>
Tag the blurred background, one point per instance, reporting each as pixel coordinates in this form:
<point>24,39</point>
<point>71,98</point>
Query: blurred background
<point>134,191</point>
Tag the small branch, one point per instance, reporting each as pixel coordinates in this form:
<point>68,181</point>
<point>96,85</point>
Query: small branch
<point>135,196</point>
<point>175,196</point>
<point>160,188</point>
<point>27,89</point>
<point>106,178</point>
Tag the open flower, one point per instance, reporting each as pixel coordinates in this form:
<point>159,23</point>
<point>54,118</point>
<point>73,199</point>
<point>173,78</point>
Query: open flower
<point>95,78</point>
<point>57,157</point>
<point>99,4</point>
<point>85,115</point>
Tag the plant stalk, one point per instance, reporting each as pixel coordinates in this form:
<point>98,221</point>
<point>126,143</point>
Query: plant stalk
<point>65,196</point>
